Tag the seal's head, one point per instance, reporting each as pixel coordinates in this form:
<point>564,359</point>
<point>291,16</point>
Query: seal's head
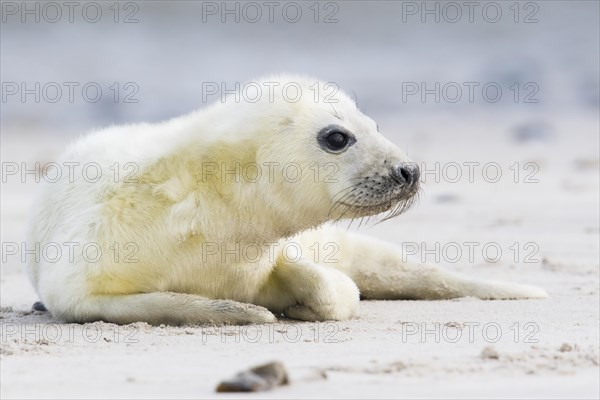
<point>330,160</point>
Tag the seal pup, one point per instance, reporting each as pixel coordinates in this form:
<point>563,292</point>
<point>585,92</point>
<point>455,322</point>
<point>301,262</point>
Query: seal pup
<point>199,225</point>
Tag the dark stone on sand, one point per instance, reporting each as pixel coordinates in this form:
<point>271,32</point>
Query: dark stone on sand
<point>39,306</point>
<point>257,379</point>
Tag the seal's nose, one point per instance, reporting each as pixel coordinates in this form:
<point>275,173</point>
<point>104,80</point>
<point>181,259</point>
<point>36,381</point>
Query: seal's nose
<point>406,174</point>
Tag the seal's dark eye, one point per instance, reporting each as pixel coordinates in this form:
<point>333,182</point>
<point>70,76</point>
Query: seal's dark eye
<point>335,139</point>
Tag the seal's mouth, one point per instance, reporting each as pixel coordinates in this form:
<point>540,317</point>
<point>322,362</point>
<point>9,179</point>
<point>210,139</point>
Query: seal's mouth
<point>370,197</point>
<point>393,207</point>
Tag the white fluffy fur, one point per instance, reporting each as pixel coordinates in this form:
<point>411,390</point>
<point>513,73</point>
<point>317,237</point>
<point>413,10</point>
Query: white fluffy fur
<point>174,211</point>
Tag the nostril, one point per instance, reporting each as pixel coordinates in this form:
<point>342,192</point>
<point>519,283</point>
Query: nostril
<point>405,173</point>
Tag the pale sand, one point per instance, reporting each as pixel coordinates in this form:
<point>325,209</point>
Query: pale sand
<point>380,354</point>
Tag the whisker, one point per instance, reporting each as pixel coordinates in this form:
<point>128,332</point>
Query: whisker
<point>341,201</point>
<point>368,208</point>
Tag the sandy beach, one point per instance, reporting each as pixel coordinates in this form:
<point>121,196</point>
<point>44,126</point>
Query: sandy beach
<point>394,349</point>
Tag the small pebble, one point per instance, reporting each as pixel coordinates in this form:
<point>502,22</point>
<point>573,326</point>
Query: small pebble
<point>489,352</point>
<point>39,306</point>
<point>565,348</point>
<point>257,379</point>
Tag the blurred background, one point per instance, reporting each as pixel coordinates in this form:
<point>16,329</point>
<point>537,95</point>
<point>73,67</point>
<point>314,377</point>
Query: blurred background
<point>169,49</point>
